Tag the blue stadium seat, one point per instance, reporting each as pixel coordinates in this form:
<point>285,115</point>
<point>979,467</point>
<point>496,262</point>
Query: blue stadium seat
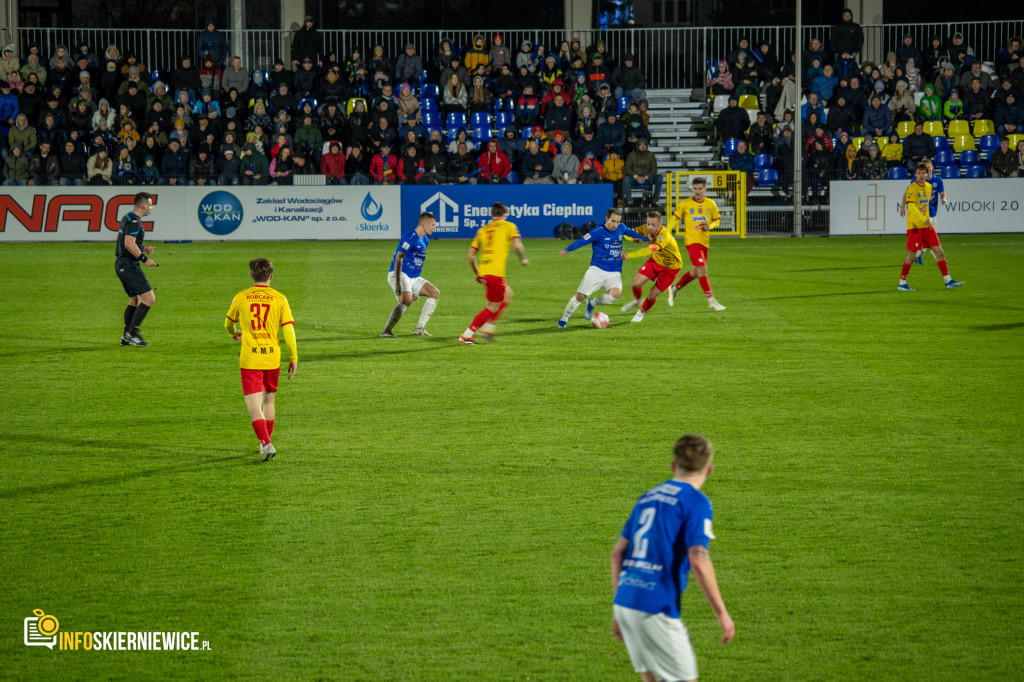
<point>452,132</point>
<point>527,131</point>
<point>767,177</point>
<point>944,157</point>
<point>623,105</point>
<point>428,104</point>
<point>730,146</point>
<point>898,173</point>
<point>987,144</point>
<point>977,171</point>
<point>512,178</point>
<point>422,81</point>
<point>481,136</point>
<point>762,161</point>
<point>503,118</point>
<point>949,172</point>
<point>430,90</point>
<point>968,158</point>
<point>455,120</point>
<point>941,143</point>
<point>480,119</point>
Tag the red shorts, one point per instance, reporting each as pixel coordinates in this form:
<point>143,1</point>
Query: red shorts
<point>259,380</point>
<point>659,274</point>
<point>495,288</point>
<point>922,238</point>
<point>698,254</point>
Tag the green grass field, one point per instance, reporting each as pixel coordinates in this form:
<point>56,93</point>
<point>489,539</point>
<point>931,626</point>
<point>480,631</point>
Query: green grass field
<point>441,512</point>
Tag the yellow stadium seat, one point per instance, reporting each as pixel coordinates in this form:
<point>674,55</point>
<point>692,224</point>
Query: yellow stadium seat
<point>904,128</point>
<point>857,142</point>
<point>934,128</point>
<point>958,128</point>
<point>352,105</point>
<point>749,102</point>
<point>1014,139</point>
<point>963,142</point>
<point>983,127</point>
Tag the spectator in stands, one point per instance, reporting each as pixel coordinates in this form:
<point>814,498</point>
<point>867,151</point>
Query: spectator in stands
<point>72,165</point>
<point>1020,159</point>
<point>918,146</point>
<point>766,61</point>
<point>16,167</point>
<point>411,126</point>
<point>494,165</point>
<point>435,164</point>
<point>477,54</point>
<point>333,87</point>
<point>877,119</point>
<point>823,85</point>
<point>762,137</point>
<point>746,78</point>
<point>308,140</point>
<point>461,137</point>
<point>282,167</point>
<point>813,70</point>
<point>818,134</point>
<point>33,67</point>
<point>629,80</point>
<point>228,167</point>
<point>410,166</point>
<point>784,155</point>
<point>307,42</point>
<point>588,142</point>
<point>641,168</point>
<point>186,78</point>
<point>307,80</point>
<point>1006,56</point>
<point>930,108</point>
<point>934,54</point>
<point>953,108</point>
<point>743,161</point>
<point>378,61</point>
<point>892,151</point>
<point>174,165</point>
<point>9,61</point>
<point>9,108</point>
<point>902,104</point>
<point>479,97</point>
<point>384,165</point>
<point>100,168</point>
<point>913,77</point>
<point>847,35</point>
<point>22,135</point>
<point>555,147</point>
<point>1005,88</point>
<point>527,110</point>
<point>565,166</point>
<point>956,44</point>
<point>499,55</point>
<point>234,76</point>
<point>908,50</point>
<point>597,72</point>
<point>846,66</point>
<point>818,172</point>
<point>842,117</point>
<point>61,74</point>
<point>460,167</point>
<point>732,121</point>
<point>409,66</point>
<point>454,97</point>
<point>44,166</point>
<point>974,71</point>
<point>202,170</point>
<point>212,42</point>
<point>558,116</point>
<point>812,105</point>
<point>50,132</point>
<point>815,50</point>
<point>873,167</point>
<point>505,84</point>
<point>357,166</point>
<point>722,83</point>
<point>525,57</point>
<point>1009,118</point>
<point>332,122</point>
<point>976,101</point>
<point>1005,161</point>
<point>945,82</point>
<point>283,99</point>
<point>536,165</point>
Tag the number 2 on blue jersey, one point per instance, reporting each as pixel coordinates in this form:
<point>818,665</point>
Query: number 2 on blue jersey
<point>639,541</point>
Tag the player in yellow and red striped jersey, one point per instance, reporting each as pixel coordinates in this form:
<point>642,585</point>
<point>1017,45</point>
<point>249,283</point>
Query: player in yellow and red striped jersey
<point>699,215</point>
<point>492,241</point>
<point>661,268</point>
<point>254,319</point>
<point>920,228</point>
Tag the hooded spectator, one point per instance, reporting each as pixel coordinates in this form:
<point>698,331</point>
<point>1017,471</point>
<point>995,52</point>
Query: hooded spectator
<point>212,42</point>
<point>307,43</point>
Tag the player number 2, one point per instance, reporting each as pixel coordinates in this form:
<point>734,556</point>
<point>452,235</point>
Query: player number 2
<point>639,541</point>
<point>259,323</point>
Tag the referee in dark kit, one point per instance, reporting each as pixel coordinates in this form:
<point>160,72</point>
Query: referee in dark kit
<point>129,254</point>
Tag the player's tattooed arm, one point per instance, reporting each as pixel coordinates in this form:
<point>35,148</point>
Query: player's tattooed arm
<point>699,551</point>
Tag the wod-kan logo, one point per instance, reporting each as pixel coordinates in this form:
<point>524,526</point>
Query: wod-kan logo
<point>220,212</point>
<point>371,209</point>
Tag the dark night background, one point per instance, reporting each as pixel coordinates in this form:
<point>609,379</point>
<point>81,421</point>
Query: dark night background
<point>461,14</point>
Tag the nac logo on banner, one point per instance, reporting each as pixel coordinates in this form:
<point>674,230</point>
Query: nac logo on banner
<point>446,212</point>
<point>220,212</point>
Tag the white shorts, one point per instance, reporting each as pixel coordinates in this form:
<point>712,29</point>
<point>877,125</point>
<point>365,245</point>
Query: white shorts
<point>657,644</point>
<point>408,284</point>
<point>595,278</point>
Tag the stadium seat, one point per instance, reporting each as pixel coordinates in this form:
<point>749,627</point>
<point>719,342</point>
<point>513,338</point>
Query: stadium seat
<point>949,172</point>
<point>958,128</point>
<point>351,104</point>
<point>904,128</point>
<point>762,161</point>
<point>898,173</point>
<point>1014,139</point>
<point>721,102</point>
<point>456,119</point>
<point>968,158</point>
<point>452,132</point>
<point>312,103</point>
<point>988,144</point>
<point>480,119</point>
<point>749,102</point>
<point>730,146</point>
<point>943,158</point>
<point>512,178</point>
<point>431,119</point>
<point>422,81</point>
<point>623,105</point>
<point>934,128</point>
<point>481,136</point>
<point>430,90</point>
<point>977,171</point>
<point>857,142</point>
<point>503,118</point>
<point>962,142</point>
<point>983,127</point>
<point>941,143</point>
<point>428,104</point>
<point>752,115</point>
<point>918,96</point>
<point>527,131</point>
<point>767,177</point>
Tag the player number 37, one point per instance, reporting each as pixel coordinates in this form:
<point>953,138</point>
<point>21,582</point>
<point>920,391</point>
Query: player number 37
<point>258,322</point>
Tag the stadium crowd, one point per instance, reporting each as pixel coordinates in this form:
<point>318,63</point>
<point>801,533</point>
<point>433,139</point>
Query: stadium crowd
<point>861,120</point>
<point>488,113</point>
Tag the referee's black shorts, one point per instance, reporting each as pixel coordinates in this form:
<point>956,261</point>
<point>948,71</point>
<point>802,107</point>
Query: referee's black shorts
<point>129,271</point>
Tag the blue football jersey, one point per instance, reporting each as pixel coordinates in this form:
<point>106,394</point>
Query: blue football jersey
<point>607,246</point>
<point>666,520</point>
<point>415,249</point>
<point>937,188</point>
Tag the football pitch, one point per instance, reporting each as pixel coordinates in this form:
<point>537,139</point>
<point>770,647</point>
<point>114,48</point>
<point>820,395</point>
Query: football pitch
<point>443,512</point>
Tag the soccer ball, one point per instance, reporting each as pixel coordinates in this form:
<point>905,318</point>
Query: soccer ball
<point>599,320</point>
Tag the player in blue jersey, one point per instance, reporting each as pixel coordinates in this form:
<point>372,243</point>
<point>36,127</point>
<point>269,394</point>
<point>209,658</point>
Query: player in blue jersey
<point>666,537</point>
<point>605,271</point>
<point>938,193</point>
<point>408,260</point>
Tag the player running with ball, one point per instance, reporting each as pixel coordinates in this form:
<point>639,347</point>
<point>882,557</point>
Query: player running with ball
<point>699,215</point>
<point>661,268</point>
<point>920,228</point>
<point>605,271</point>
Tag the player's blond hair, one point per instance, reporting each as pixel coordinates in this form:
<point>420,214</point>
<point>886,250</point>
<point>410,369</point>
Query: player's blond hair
<point>260,269</point>
<point>692,452</point>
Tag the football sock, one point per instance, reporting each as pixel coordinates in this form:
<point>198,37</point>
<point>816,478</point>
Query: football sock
<point>638,292</point>
<point>683,281</point>
<point>570,308</point>
<point>500,312</point>
<point>260,427</point>
<point>944,269</point>
<point>905,272</point>
<point>706,286</point>
<point>270,427</point>
<point>605,299</point>
<point>428,310</point>
<point>396,315</point>
<point>140,315</point>
<point>482,318</point>
<point>647,304</point>
<point>129,313</point>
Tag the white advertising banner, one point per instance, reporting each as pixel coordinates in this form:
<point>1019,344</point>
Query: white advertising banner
<point>203,213</point>
<point>983,205</point>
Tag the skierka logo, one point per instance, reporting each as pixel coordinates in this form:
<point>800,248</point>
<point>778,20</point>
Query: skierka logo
<point>220,212</point>
<point>370,209</point>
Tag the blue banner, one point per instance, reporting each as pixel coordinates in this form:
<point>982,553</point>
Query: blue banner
<point>536,209</point>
